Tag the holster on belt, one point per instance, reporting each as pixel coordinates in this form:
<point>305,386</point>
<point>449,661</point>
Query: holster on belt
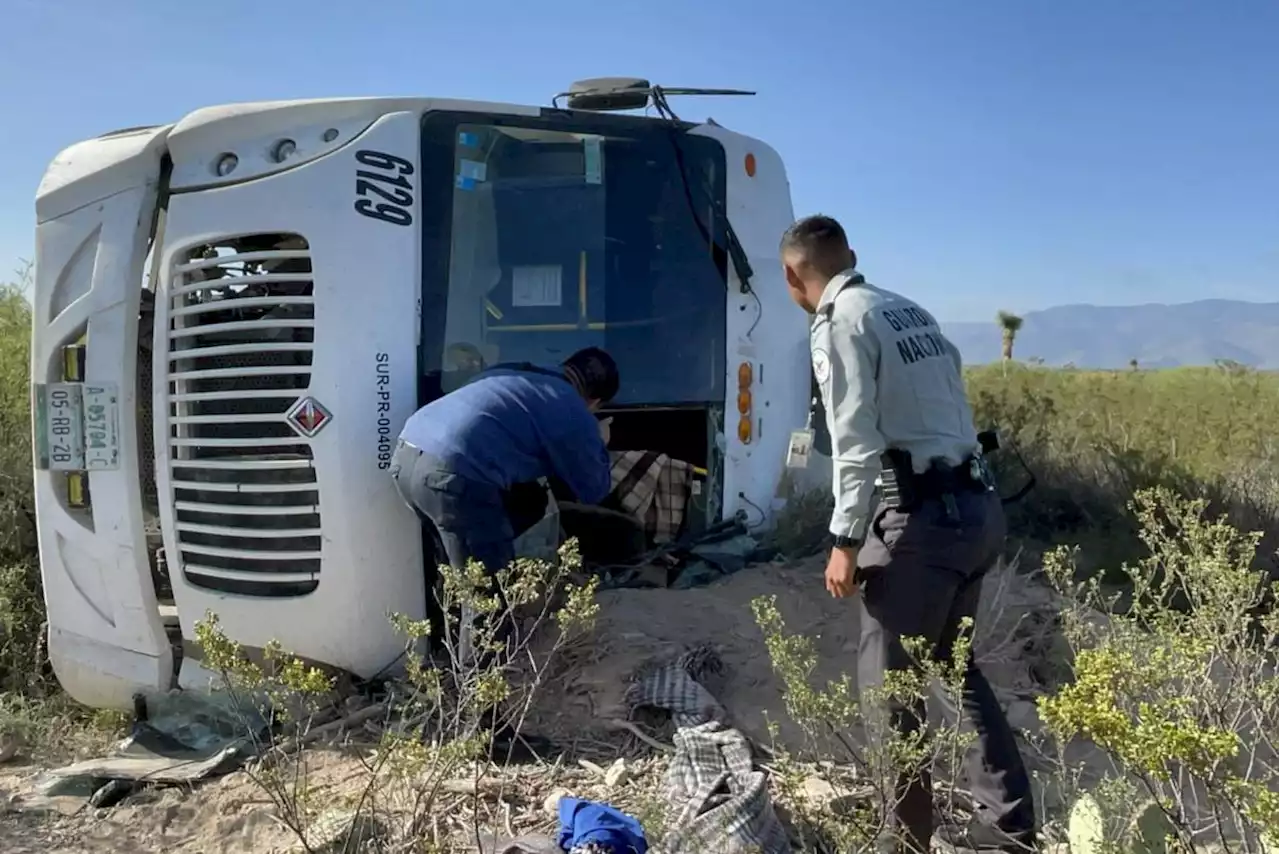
<point>898,480</point>
<point>903,489</point>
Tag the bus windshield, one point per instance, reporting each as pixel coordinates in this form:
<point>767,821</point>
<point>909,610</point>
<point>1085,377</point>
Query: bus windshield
<point>543,236</point>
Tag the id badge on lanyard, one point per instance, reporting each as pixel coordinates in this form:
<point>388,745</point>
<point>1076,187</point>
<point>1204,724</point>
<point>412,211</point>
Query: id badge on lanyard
<point>800,446</point>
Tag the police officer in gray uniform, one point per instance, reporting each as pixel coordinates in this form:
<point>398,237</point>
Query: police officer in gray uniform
<point>896,409</point>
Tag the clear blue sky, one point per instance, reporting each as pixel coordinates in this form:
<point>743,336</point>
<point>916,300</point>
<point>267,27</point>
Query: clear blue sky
<point>983,154</point>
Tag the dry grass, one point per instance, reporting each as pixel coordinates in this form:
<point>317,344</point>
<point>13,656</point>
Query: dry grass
<point>1095,438</point>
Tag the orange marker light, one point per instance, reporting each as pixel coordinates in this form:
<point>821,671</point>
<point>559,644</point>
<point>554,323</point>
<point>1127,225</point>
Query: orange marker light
<point>745,375</point>
<point>749,163</point>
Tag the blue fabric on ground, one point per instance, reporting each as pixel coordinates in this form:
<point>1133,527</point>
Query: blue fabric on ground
<point>586,821</point>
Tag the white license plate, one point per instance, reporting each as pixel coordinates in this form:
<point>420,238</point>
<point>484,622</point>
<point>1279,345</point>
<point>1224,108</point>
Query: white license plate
<point>77,426</point>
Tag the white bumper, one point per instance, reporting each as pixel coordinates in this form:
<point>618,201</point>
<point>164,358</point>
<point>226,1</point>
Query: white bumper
<point>94,209</point>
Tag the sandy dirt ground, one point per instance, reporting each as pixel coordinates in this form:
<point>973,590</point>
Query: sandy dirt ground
<point>634,628</point>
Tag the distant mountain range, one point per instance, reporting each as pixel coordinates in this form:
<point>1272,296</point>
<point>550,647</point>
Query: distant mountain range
<point>1158,336</point>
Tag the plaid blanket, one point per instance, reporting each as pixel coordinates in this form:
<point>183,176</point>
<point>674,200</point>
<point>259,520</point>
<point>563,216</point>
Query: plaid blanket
<point>676,689</point>
<point>654,488</point>
<point>719,803</point>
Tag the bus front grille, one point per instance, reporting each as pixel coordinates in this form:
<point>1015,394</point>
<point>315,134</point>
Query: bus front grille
<point>245,498</point>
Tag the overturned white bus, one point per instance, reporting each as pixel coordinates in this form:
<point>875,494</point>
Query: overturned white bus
<point>235,313</point>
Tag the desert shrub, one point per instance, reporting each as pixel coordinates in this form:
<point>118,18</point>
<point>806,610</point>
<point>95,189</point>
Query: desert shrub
<point>1160,736</point>
<point>438,720</point>
<point>839,784</point>
<point>1094,438</point>
<point>21,600</point>
<point>1176,682</point>
<point>800,529</point>
<point>17,533</point>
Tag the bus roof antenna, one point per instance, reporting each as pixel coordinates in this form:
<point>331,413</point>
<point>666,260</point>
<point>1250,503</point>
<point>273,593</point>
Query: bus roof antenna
<point>614,94</point>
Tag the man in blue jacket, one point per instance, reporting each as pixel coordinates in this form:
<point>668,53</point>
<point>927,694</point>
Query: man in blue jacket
<point>459,457</point>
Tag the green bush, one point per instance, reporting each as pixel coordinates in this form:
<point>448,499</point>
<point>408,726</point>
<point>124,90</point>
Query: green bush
<point>439,722</point>
<point>1172,683</point>
<point>1176,682</point>
<point>1094,438</point>
<point>21,601</point>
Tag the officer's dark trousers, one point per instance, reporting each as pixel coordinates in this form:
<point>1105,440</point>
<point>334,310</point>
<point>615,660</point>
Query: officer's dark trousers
<point>468,517</point>
<point>921,574</point>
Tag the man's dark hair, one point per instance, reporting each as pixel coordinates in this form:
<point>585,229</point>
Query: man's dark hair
<point>594,372</point>
<point>821,242</point>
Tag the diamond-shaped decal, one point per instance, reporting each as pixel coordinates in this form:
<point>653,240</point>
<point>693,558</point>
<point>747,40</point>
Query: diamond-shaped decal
<point>308,417</point>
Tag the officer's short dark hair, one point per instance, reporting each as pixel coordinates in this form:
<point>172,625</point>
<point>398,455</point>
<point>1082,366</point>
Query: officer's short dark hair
<point>821,242</point>
<point>595,372</point>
